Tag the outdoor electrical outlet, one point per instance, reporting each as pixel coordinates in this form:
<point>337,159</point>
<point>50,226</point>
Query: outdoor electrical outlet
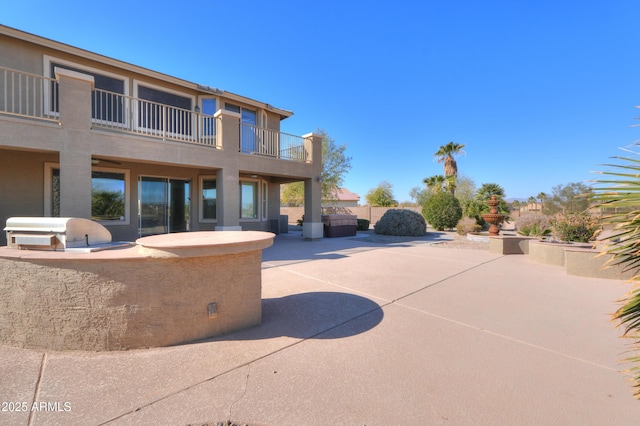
<point>213,310</point>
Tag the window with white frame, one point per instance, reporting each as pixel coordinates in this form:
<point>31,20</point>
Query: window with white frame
<point>107,103</point>
<point>162,110</point>
<point>248,124</point>
<point>208,122</point>
<point>109,194</point>
<point>248,200</point>
<point>265,201</point>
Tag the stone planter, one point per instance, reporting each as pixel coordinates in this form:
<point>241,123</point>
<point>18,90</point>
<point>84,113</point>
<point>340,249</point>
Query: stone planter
<point>510,244</point>
<point>552,253</point>
<point>588,262</point>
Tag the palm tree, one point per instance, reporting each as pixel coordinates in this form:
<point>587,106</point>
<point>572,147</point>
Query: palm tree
<point>435,183</point>
<point>488,189</point>
<point>445,155</point>
<point>531,200</point>
<point>542,197</point>
<point>620,193</point>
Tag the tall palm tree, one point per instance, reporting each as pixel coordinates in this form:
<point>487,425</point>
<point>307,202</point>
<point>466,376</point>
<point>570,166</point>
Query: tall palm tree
<point>445,155</point>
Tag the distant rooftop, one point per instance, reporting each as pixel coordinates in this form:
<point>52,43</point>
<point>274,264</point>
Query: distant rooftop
<point>343,194</point>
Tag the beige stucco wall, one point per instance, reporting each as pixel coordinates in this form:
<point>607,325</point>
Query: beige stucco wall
<point>590,263</point>
<point>547,253</point>
<point>77,304</point>
<point>373,214</point>
<point>21,185</point>
<point>510,245</point>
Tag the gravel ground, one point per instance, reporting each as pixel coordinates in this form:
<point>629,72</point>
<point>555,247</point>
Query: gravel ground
<point>463,243</point>
<point>456,241</point>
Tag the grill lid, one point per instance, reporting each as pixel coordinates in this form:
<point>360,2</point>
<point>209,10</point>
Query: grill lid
<point>53,233</point>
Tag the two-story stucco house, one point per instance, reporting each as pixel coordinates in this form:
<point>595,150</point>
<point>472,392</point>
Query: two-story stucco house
<point>84,135</point>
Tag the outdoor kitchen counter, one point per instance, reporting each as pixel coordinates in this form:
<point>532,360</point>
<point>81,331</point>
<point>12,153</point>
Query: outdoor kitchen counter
<point>165,290</point>
<point>187,244</point>
<point>195,244</point>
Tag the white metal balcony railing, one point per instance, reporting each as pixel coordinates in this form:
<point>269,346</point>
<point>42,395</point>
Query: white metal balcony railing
<point>125,113</point>
<point>30,95</point>
<point>27,95</point>
<point>271,143</point>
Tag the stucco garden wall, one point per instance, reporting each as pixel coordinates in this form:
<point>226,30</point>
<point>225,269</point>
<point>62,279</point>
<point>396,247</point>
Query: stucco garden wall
<point>372,214</point>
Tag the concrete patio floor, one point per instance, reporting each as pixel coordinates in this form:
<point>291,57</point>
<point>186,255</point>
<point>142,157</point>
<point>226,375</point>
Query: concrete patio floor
<point>362,333</point>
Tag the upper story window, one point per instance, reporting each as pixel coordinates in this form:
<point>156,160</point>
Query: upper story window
<point>107,107</point>
<point>162,110</point>
<point>163,97</point>
<point>249,121</point>
<point>209,108</point>
<point>232,107</point>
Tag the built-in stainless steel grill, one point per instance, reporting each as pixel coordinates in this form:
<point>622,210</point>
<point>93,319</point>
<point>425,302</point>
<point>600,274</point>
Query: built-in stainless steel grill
<point>58,233</point>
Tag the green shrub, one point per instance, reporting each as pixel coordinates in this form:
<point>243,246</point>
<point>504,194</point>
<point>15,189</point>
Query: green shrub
<point>533,225</point>
<point>363,224</point>
<point>401,222</point>
<point>442,211</point>
<point>467,225</point>
<point>575,227</point>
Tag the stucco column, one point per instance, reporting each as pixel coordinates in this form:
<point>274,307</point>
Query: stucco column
<point>75,156</point>
<point>228,197</point>
<point>312,227</point>
<point>228,178</point>
<point>273,200</point>
<point>228,130</point>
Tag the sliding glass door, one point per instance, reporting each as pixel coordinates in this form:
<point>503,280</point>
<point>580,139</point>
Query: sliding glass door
<point>163,205</point>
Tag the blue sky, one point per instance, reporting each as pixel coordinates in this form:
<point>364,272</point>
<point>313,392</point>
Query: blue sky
<point>540,92</point>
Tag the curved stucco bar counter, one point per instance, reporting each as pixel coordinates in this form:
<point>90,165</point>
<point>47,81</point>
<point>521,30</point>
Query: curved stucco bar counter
<point>165,290</point>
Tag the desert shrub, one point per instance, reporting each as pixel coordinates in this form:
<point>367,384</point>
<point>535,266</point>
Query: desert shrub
<point>442,211</point>
<point>402,223</point>
<point>468,225</point>
<point>575,227</point>
<point>533,225</point>
<point>363,224</point>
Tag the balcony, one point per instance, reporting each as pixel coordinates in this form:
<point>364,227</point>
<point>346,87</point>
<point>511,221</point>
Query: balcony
<point>26,95</point>
<point>122,113</point>
<point>260,141</point>
<point>37,97</point>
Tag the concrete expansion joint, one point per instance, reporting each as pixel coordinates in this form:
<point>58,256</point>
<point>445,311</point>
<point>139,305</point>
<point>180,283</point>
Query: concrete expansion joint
<point>36,392</point>
<point>443,280</point>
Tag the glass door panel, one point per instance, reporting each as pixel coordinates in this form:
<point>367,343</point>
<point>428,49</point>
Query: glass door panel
<point>165,205</point>
<point>153,206</point>
<point>248,133</point>
<point>179,205</point>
